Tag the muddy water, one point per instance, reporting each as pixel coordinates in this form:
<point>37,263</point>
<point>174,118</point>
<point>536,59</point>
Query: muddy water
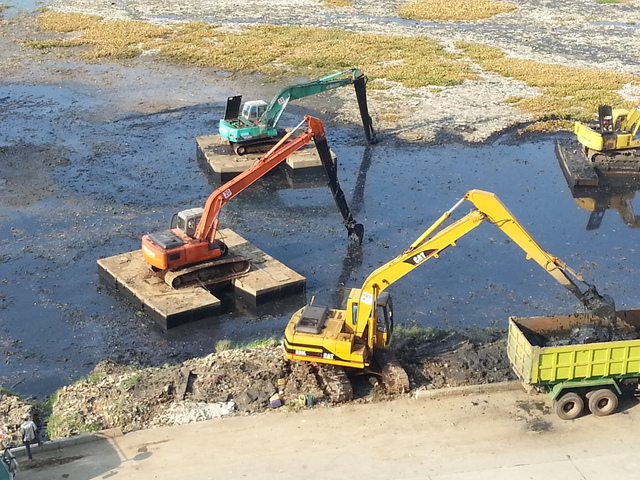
<point>88,167</point>
<point>18,7</point>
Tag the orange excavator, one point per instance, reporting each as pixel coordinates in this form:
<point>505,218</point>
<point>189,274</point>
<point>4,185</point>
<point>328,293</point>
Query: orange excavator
<point>189,252</point>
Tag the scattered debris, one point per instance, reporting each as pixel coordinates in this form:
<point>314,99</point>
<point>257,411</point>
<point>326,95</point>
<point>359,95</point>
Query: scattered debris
<point>12,411</point>
<point>245,382</point>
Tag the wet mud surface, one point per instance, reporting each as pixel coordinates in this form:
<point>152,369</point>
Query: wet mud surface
<point>95,156</point>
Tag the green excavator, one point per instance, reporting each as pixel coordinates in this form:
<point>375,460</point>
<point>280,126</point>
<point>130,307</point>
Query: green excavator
<point>255,129</point>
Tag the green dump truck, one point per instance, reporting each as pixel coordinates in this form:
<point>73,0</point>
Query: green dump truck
<point>592,374</point>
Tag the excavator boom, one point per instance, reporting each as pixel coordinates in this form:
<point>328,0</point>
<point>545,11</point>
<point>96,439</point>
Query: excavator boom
<point>274,111</point>
<point>429,245</point>
<point>359,336</point>
<point>275,156</point>
<point>190,253</point>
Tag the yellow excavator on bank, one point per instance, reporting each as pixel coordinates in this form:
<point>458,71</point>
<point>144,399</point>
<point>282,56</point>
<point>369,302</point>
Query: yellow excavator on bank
<point>613,139</point>
<point>358,337</point>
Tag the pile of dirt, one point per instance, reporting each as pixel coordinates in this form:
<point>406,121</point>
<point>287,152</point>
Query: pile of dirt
<point>241,381</point>
<point>12,411</point>
<point>255,380</point>
<point>441,359</point>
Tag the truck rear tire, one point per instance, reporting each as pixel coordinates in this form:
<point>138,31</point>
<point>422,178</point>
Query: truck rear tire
<point>569,406</point>
<point>603,402</point>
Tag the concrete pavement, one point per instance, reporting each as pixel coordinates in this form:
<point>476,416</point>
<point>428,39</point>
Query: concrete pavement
<point>493,436</point>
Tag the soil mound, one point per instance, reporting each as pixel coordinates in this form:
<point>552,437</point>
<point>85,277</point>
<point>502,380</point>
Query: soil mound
<point>255,380</point>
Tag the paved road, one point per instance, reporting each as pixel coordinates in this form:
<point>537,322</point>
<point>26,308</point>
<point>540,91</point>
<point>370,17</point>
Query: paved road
<point>506,435</point>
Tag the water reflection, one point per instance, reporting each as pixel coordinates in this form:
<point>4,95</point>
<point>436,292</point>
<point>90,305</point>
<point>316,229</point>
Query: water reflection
<point>617,195</point>
<point>16,7</point>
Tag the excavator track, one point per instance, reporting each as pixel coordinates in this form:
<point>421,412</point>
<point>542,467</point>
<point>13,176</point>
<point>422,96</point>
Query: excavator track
<point>616,160</point>
<point>335,383</point>
<point>257,145</point>
<point>216,271</point>
<point>394,378</point>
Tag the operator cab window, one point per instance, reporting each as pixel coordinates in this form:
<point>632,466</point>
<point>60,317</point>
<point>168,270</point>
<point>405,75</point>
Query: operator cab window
<point>191,227</point>
<point>254,112</point>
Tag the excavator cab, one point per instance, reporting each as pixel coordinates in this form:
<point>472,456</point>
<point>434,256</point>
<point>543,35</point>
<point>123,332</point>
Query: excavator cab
<point>254,109</point>
<point>384,323</point>
<point>187,220</point>
<point>605,117</point>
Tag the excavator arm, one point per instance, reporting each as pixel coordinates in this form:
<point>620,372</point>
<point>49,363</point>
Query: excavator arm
<point>208,225</point>
<point>272,114</point>
<point>189,253</point>
<point>431,243</point>
<point>274,111</point>
<point>632,121</point>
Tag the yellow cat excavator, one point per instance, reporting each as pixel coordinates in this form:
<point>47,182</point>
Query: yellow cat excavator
<point>358,338</point>
<point>613,141</point>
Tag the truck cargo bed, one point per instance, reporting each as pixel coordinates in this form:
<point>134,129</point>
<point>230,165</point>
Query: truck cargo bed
<point>540,366</point>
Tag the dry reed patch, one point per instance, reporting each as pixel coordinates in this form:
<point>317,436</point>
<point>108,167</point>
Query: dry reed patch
<point>453,10</point>
<point>51,21</point>
<point>122,39</point>
<point>568,93</point>
<point>268,50</point>
<point>114,39</point>
<point>311,52</point>
<point>337,3</point>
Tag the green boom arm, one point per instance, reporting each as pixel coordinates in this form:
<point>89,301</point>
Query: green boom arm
<point>272,115</point>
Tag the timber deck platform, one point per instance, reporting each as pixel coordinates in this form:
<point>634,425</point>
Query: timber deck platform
<point>130,275</point>
<point>215,151</point>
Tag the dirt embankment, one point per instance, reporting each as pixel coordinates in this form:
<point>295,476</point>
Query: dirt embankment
<point>244,381</point>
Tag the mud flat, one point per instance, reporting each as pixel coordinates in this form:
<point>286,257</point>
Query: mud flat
<point>129,274</point>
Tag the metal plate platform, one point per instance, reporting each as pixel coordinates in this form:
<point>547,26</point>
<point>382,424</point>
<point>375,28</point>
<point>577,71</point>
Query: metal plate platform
<point>581,172</point>
<point>576,169</point>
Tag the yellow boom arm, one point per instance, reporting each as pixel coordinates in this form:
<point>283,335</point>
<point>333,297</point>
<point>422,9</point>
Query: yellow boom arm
<point>429,245</point>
